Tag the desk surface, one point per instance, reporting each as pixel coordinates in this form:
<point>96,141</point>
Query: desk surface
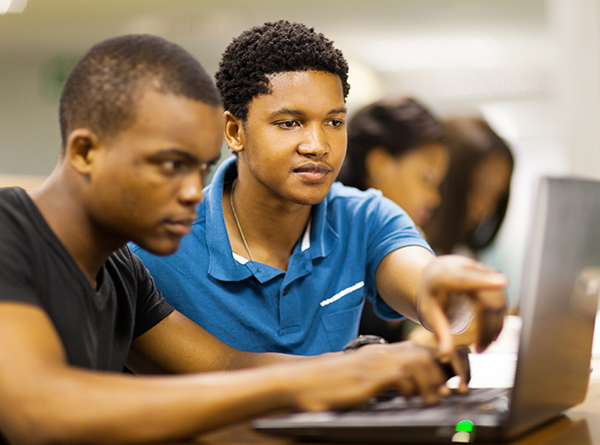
<point>579,426</point>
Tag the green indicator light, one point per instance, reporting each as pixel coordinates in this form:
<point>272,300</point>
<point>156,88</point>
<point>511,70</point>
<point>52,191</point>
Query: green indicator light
<point>464,425</point>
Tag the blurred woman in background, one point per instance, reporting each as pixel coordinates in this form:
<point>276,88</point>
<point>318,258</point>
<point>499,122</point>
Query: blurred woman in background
<point>476,189</point>
<point>397,146</point>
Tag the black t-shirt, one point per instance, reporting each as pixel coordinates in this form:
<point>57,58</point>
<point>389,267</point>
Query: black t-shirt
<point>96,326</point>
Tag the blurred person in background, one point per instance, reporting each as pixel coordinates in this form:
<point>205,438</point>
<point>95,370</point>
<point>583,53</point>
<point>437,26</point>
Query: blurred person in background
<point>397,146</point>
<point>475,197</point>
<point>476,189</point>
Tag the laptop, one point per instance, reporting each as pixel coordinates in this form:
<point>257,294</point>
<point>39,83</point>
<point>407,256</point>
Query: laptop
<point>558,299</point>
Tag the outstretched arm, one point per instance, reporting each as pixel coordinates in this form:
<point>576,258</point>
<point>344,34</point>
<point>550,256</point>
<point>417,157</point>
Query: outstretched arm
<point>427,289</point>
<point>45,400</point>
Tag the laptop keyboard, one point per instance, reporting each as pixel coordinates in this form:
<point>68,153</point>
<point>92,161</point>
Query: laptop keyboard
<point>478,400</point>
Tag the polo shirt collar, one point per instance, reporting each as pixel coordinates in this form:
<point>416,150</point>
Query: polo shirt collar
<point>222,266</point>
<point>323,238</point>
<point>305,245</point>
<point>319,239</point>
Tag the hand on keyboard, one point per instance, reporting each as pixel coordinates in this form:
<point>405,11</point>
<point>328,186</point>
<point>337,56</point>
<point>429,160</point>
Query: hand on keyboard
<point>457,366</point>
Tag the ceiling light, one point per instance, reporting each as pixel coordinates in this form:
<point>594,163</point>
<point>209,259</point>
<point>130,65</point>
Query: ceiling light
<point>15,6</point>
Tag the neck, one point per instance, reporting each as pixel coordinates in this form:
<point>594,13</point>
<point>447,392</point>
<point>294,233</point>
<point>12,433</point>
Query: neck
<point>62,209</point>
<point>271,225</point>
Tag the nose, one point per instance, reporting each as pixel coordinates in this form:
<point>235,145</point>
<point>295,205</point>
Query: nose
<point>314,141</point>
<point>191,189</point>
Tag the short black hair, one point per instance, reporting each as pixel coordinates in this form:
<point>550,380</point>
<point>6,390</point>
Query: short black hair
<point>395,124</point>
<point>275,47</point>
<point>101,90</point>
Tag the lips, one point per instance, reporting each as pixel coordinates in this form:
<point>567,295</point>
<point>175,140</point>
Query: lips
<point>180,226</point>
<point>313,172</point>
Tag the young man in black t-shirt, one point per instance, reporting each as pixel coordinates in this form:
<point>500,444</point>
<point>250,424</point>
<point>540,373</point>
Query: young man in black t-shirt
<point>141,123</point>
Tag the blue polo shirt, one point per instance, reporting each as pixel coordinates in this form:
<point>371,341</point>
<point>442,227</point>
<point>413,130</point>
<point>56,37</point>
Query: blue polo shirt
<point>312,308</point>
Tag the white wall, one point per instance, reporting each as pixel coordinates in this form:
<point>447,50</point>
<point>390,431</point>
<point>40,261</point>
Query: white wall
<point>575,30</point>
<point>29,135</point>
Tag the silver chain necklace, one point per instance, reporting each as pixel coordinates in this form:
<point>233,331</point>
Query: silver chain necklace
<point>237,222</point>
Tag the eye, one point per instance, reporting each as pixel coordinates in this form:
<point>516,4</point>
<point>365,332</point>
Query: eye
<point>336,122</point>
<point>288,124</point>
<point>171,165</point>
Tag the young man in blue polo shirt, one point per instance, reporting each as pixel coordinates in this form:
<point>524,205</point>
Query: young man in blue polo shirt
<point>281,258</point>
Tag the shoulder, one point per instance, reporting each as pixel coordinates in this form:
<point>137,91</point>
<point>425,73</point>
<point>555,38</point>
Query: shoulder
<point>7,192</point>
<point>18,214</point>
<point>341,191</point>
<point>19,230</point>
<point>25,254</point>
<point>12,199</point>
<point>371,202</point>
<point>368,215</point>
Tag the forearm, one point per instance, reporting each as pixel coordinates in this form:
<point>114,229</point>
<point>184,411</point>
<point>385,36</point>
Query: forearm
<point>76,406</point>
<point>398,276</point>
<point>177,345</point>
<point>244,360</point>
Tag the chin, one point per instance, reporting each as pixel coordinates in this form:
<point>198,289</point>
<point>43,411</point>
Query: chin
<point>313,196</point>
<point>161,248</point>
<point>308,201</point>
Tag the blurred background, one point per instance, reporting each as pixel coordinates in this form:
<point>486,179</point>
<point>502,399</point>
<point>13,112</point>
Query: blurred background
<point>530,67</point>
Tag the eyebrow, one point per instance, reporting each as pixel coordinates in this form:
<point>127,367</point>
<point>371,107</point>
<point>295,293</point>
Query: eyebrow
<point>177,152</point>
<point>293,112</point>
<point>342,110</point>
<point>189,157</point>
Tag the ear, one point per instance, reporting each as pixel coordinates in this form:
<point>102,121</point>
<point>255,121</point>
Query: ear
<point>82,145</point>
<point>234,132</point>
<point>377,161</point>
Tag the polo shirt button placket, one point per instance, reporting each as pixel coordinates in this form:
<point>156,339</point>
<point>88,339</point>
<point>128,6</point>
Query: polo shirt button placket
<point>285,290</point>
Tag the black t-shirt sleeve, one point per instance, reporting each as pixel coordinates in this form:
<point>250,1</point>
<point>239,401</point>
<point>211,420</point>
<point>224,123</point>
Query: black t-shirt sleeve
<point>151,308</point>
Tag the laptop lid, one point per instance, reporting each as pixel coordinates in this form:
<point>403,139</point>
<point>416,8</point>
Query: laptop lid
<point>558,299</point>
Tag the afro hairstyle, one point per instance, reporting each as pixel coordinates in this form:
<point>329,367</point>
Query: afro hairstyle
<point>275,47</point>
